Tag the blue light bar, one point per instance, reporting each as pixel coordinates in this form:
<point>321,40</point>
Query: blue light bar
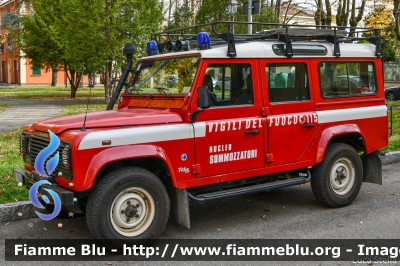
<point>203,41</point>
<point>152,48</point>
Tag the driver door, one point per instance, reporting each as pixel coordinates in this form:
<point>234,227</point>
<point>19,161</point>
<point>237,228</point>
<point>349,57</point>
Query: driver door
<point>230,135</point>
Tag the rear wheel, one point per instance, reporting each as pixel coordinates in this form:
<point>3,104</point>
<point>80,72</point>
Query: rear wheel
<point>337,180</point>
<point>217,88</point>
<point>390,96</point>
<point>127,204</point>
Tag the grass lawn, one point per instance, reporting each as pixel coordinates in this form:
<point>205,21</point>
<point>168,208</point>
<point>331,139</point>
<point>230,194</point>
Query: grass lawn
<point>394,140</point>
<point>10,157</point>
<point>48,92</point>
<point>3,107</point>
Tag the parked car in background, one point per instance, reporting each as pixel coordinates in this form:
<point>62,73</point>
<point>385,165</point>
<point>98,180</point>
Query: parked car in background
<point>171,80</point>
<point>392,93</point>
<point>218,84</point>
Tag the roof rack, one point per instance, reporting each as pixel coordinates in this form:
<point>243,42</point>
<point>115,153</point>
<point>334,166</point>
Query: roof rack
<point>286,33</point>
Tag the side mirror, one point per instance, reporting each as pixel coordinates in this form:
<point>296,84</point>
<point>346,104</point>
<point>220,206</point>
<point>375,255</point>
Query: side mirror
<point>203,100</point>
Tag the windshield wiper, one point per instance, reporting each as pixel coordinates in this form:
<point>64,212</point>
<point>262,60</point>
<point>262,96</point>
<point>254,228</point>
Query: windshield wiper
<point>163,91</point>
<point>134,88</point>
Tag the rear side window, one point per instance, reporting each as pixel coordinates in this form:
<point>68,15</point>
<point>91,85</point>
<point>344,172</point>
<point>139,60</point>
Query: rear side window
<point>346,79</point>
<point>287,82</point>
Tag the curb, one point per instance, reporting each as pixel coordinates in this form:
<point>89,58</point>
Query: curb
<point>391,157</point>
<point>13,211</point>
<point>24,209</point>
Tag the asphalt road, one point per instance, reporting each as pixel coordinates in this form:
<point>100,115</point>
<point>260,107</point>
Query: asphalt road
<point>290,213</point>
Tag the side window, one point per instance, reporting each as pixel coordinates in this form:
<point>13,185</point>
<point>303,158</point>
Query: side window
<point>229,84</point>
<point>346,79</point>
<point>287,82</point>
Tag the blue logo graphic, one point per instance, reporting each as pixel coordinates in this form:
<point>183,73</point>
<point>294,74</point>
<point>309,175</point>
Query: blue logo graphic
<point>33,192</point>
<point>183,157</point>
<point>50,166</point>
<point>45,153</point>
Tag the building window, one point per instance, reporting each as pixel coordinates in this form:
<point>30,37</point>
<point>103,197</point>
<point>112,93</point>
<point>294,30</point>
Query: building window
<point>36,71</point>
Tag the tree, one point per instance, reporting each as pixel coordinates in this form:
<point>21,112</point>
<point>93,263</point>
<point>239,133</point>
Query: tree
<point>396,14</point>
<point>37,46</point>
<point>381,17</point>
<point>87,36</point>
<point>344,10</point>
<point>216,10</point>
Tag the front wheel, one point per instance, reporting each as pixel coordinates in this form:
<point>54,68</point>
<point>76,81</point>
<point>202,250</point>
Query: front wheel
<point>337,180</point>
<point>127,204</point>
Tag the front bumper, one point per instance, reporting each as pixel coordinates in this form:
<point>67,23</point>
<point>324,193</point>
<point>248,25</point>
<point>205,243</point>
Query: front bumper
<point>28,179</point>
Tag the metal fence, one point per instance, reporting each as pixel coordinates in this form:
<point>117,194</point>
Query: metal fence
<point>391,71</point>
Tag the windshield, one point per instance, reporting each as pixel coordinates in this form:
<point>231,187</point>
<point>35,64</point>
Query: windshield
<point>165,76</point>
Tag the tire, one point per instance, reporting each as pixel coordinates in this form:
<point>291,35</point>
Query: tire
<point>390,96</point>
<point>337,180</point>
<point>217,88</point>
<point>127,190</point>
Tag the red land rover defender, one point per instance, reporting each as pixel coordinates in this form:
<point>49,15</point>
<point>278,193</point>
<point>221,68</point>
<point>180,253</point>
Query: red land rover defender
<point>293,105</point>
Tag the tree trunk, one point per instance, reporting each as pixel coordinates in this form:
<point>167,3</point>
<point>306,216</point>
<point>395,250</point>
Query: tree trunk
<point>353,19</point>
<point>107,81</point>
<point>278,8</point>
<point>396,14</point>
<point>328,18</point>
<point>318,13</point>
<point>54,76</point>
<point>74,80</point>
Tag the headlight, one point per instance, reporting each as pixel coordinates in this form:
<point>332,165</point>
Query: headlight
<point>65,154</point>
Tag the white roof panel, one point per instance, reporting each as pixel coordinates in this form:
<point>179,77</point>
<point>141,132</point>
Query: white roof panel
<point>263,49</point>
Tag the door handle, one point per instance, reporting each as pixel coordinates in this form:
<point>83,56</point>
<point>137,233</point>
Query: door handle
<point>307,126</point>
<point>252,132</point>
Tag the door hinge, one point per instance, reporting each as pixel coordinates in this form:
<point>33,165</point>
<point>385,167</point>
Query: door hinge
<point>270,157</point>
<point>196,169</point>
<point>264,111</point>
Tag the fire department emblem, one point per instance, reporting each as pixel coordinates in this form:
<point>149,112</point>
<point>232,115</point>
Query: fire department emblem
<point>183,157</point>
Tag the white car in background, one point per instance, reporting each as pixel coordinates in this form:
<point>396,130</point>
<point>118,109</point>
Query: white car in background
<point>218,84</point>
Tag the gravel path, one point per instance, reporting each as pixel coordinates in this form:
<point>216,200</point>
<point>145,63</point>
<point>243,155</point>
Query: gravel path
<point>21,112</point>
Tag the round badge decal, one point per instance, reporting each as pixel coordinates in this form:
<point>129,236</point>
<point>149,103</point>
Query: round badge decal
<point>183,157</point>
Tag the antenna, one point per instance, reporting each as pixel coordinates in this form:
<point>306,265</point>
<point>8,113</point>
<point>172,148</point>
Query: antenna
<point>87,107</point>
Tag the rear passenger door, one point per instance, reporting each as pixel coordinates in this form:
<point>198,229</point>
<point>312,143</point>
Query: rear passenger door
<point>292,120</point>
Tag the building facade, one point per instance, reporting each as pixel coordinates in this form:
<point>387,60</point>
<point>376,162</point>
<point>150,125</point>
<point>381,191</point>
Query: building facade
<point>14,68</point>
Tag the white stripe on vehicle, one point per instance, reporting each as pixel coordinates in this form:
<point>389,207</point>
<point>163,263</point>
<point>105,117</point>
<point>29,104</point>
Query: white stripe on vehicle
<point>147,134</point>
<point>138,135</point>
<point>351,114</point>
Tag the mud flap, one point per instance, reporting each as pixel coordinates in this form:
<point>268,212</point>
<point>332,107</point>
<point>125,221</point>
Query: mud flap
<point>372,168</point>
<point>180,207</point>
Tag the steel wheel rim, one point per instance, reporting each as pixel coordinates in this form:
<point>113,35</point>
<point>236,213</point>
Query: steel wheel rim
<point>390,96</point>
<point>132,211</point>
<point>342,176</point>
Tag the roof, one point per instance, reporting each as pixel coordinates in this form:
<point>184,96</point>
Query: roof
<point>278,41</point>
<point>263,49</point>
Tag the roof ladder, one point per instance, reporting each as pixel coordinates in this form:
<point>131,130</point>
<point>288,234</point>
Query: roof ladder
<point>288,43</point>
<point>377,41</point>
<point>228,37</point>
<point>335,41</point>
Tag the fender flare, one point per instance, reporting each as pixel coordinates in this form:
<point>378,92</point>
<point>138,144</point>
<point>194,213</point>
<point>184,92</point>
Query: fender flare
<point>331,132</point>
<point>123,153</point>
